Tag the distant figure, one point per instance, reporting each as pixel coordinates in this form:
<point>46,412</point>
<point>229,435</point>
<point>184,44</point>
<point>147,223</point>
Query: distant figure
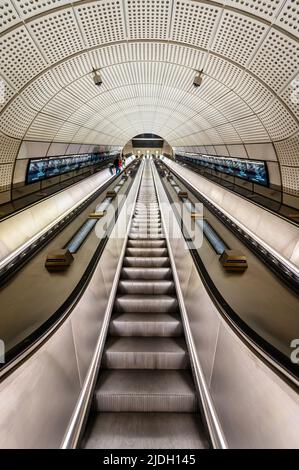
<point>120,163</point>
<point>111,168</point>
<point>116,165</point>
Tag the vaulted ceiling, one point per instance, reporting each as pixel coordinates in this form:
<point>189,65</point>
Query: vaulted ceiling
<point>148,52</point>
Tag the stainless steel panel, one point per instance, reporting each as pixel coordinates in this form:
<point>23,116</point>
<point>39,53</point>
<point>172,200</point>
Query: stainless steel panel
<point>204,322</point>
<point>108,263</point>
<point>32,222</point>
<point>256,408</point>
<point>41,394</point>
<point>87,319</point>
<point>278,234</point>
<point>39,397</point>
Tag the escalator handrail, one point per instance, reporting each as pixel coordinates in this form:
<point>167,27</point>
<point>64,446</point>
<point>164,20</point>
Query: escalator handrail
<point>79,417</point>
<point>213,425</point>
<point>192,167</point>
<point>261,249</point>
<point>26,348</point>
<point>100,167</point>
<point>271,356</point>
<point>9,267</point>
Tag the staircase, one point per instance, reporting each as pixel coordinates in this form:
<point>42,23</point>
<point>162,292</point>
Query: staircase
<point>145,396</point>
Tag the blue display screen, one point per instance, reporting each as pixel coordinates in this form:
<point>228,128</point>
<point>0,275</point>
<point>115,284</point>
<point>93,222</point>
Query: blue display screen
<point>36,170</point>
<point>250,170</point>
<point>40,169</point>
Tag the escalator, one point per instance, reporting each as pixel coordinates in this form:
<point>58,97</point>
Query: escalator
<point>145,396</point>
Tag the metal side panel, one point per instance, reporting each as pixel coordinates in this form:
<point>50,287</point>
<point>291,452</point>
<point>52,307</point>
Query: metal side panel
<point>88,316</point>
<point>204,322</point>
<point>38,398</point>
<point>40,395</point>
<point>256,408</point>
<point>109,268</point>
<point>202,314</point>
<point>273,232</point>
<point>17,231</point>
<point>87,319</point>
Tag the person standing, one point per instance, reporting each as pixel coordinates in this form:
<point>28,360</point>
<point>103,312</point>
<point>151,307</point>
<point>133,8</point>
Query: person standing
<point>120,163</point>
<point>116,165</point>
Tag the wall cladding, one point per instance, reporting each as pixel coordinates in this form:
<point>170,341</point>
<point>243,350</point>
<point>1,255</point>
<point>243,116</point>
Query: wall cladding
<point>290,179</point>
<point>245,98</point>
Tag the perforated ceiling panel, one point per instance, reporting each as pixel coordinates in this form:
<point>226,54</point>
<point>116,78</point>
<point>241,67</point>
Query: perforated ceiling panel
<point>6,175</point>
<point>263,8</point>
<point>287,151</point>
<point>278,121</point>
<point>238,36</point>
<point>20,58</point>
<point>29,8</point>
<point>57,34</point>
<point>194,22</point>
<point>290,96</point>
<point>289,17</point>
<point>148,19</point>
<point>8,149</point>
<point>149,52</point>
<point>6,92</point>
<point>277,60</point>
<point>290,179</point>
<point>16,118</point>
<point>101,21</point>
<point>8,15</point>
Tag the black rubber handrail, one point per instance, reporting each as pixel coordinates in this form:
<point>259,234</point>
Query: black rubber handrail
<point>192,167</point>
<point>13,266</point>
<point>34,341</point>
<point>289,278</point>
<point>278,361</point>
<point>76,180</point>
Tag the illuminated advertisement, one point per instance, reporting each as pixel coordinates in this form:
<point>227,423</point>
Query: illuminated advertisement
<point>250,170</point>
<point>40,169</point>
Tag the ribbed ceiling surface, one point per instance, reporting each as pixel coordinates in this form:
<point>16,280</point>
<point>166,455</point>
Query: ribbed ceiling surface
<point>148,51</point>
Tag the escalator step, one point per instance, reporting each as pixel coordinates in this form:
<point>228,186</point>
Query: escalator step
<point>145,324</point>
<point>145,353</point>
<point>136,390</point>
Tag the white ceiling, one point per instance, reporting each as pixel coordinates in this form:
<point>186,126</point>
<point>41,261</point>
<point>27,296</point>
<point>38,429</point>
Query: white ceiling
<point>148,51</point>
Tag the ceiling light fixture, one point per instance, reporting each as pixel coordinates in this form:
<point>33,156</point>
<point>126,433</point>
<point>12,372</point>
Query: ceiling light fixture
<point>97,77</point>
<point>198,79</point>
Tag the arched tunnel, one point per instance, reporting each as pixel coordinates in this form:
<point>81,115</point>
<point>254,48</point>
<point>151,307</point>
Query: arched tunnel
<point>149,224</point>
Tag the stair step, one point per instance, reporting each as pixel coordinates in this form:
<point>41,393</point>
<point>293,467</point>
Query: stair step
<point>146,221</point>
<point>147,252</point>
<point>146,303</point>
<point>146,236</point>
<point>136,390</point>
<point>146,287</point>
<point>149,223</point>
<point>146,431</point>
<point>145,324</point>
<point>146,243</point>
<point>146,262</point>
<point>146,273</point>
<point>147,211</point>
<point>146,228</point>
<point>145,353</point>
